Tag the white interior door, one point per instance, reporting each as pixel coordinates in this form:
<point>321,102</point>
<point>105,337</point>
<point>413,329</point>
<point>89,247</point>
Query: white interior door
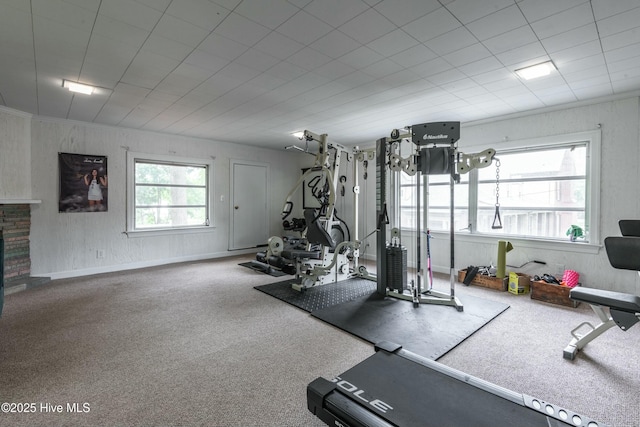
<point>249,210</point>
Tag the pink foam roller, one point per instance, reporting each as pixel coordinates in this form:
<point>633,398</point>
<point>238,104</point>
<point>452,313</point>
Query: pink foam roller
<point>571,278</point>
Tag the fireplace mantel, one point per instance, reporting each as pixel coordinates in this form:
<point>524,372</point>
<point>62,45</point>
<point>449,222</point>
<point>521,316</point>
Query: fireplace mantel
<point>19,202</point>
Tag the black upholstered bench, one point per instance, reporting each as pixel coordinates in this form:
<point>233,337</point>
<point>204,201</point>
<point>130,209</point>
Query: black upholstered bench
<point>623,308</point>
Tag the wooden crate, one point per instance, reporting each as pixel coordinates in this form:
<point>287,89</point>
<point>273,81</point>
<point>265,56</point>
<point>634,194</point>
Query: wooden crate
<point>485,281</point>
<point>554,294</point>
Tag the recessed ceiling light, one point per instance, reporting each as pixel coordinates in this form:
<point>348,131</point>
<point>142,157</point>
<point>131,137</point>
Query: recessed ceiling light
<point>534,71</point>
<point>77,87</point>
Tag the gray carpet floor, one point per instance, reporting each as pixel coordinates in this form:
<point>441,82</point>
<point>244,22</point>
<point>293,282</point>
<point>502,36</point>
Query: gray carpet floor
<point>194,344</point>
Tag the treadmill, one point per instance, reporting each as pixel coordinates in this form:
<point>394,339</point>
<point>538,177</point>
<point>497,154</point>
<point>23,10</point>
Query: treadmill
<point>395,387</point>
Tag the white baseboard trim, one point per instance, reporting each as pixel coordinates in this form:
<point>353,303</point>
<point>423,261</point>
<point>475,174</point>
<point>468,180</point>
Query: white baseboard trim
<point>144,264</point>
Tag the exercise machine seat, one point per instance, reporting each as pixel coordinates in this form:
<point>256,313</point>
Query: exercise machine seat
<point>617,300</point>
<point>301,254</point>
<point>624,309</point>
<point>315,232</point>
<point>630,227</point>
<point>623,252</point>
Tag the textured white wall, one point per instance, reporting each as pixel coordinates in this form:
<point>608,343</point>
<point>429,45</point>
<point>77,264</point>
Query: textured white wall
<point>65,244</point>
<point>15,155</point>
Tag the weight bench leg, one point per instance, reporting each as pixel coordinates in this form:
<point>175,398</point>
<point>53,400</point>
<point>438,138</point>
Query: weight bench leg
<point>579,341</point>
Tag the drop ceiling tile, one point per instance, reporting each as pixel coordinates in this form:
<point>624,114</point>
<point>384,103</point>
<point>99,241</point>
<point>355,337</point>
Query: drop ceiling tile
<point>86,108</point>
<point>628,83</point>
<point>570,38</point>
<point>578,81</point>
<point>100,75</point>
<point>167,47</point>
<point>64,13</point>
<point>623,53</point>
<point>206,61</point>
<point>334,70</point>
<point>401,12</point>
<point>367,26</point>
<point>532,53</point>
<point>446,77</point>
<point>402,78</point>
<point>181,31</point>
<point>119,31</point>
<point>604,89</point>
<point>159,5</point>
<point>452,41</point>
<point>256,60</point>
<point>583,64</point>
<point>176,84</point>
<point>620,40</point>
<point>336,12</point>
<point>418,54</point>
<point>393,42</point>
<point>563,21</point>
<point>625,64</point>
<point>335,44</point>
<point>481,66</point>
<point>304,28</point>
<point>511,40</point>
<point>535,10</point>
<point>266,81</point>
<point>579,51</point>
<point>435,66</point>
<point>242,30</point>
<point>432,25</point>
<point>238,72</point>
<point>229,4</point>
<point>605,8</point>
<point>131,12</point>
<point>467,55</point>
<point>308,59</point>
<point>278,45</point>
<point>270,13</point>
<point>286,70</point>
<point>497,75</point>
<point>628,20</point>
<point>193,72</point>
<point>382,68</point>
<point>361,57</point>
<point>222,47</point>
<point>497,23</point>
<point>112,113</point>
<point>202,13</point>
<point>148,69</point>
<point>470,10</point>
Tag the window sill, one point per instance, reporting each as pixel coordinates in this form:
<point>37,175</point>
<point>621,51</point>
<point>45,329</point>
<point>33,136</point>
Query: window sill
<point>551,245</point>
<point>167,232</point>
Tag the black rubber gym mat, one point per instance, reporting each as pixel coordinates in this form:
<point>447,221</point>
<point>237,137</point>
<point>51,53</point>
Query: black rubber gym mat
<point>428,330</point>
<point>319,297</point>
<point>354,306</point>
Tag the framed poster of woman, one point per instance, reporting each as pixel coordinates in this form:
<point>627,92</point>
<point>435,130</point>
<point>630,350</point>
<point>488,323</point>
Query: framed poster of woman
<point>83,183</point>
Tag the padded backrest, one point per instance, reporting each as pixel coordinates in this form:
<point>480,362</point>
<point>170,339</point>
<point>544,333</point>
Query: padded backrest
<point>630,227</point>
<point>315,232</point>
<point>623,252</point>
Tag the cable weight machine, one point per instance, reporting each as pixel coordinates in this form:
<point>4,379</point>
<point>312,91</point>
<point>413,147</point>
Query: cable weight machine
<point>434,153</point>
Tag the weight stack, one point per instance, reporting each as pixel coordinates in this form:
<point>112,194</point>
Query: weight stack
<point>396,257</point>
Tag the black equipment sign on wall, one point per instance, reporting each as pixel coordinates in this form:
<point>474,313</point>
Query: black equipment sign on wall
<point>83,183</point>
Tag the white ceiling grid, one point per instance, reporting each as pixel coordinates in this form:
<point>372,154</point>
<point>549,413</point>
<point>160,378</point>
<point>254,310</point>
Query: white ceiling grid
<point>254,71</point>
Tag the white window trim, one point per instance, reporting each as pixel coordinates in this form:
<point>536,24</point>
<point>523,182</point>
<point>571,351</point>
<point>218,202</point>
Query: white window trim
<point>130,220</point>
<point>592,213</point>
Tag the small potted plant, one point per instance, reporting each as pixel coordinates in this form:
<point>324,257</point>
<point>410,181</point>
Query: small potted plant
<point>575,232</point>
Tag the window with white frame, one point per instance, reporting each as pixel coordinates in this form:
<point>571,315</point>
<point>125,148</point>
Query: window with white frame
<point>544,187</point>
<point>167,193</point>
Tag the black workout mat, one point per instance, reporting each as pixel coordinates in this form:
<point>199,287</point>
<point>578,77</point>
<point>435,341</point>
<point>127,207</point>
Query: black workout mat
<point>354,306</point>
<point>319,297</point>
<point>429,330</point>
